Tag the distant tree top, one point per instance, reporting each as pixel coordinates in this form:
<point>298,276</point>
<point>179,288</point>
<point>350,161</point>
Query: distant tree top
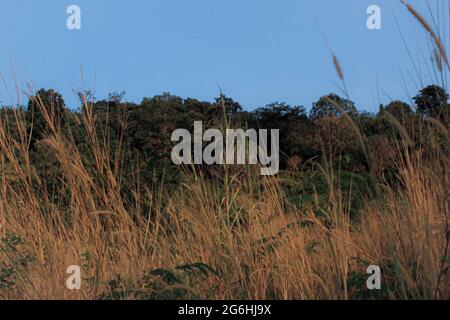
<point>398,109</point>
<point>49,99</point>
<point>432,101</point>
<point>331,105</point>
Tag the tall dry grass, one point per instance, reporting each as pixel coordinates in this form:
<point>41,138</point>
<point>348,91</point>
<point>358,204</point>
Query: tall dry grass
<point>259,244</point>
<point>252,243</point>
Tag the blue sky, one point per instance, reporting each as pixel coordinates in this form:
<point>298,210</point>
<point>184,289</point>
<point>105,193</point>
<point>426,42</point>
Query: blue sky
<point>257,51</point>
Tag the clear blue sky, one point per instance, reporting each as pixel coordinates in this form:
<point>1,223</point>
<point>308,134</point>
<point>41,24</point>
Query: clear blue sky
<point>258,51</point>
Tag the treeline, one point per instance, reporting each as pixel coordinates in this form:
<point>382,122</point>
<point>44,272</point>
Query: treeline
<point>138,136</point>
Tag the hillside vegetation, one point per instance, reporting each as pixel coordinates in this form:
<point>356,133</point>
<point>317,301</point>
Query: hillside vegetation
<point>95,187</point>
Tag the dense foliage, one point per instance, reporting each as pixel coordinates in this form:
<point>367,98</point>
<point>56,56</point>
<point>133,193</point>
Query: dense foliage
<point>360,146</point>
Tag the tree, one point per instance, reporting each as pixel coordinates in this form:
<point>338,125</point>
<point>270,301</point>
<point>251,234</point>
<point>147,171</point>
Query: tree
<point>330,105</point>
<point>228,103</point>
<point>279,114</point>
<point>432,101</point>
<point>45,110</point>
<point>334,136</point>
<point>296,130</point>
<point>151,124</point>
<point>399,110</point>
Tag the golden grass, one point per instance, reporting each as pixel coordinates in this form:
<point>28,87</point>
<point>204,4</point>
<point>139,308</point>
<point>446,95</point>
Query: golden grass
<point>261,246</point>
